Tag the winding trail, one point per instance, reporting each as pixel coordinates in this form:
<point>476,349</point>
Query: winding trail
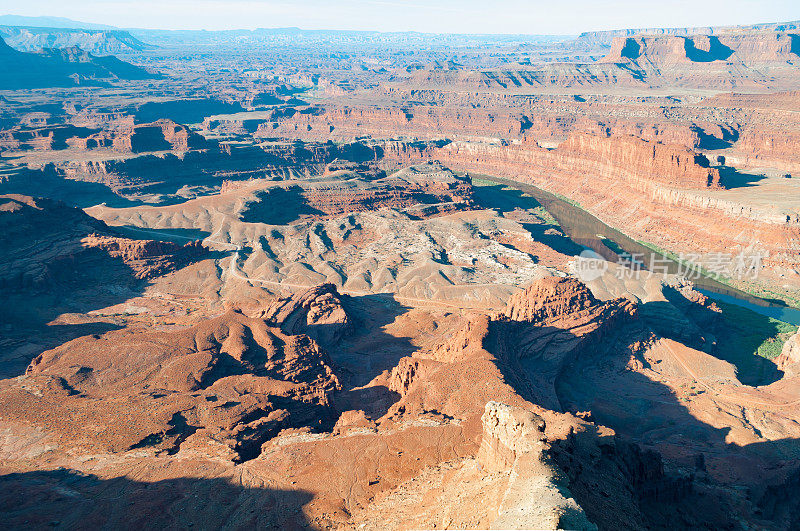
<point>234,271</point>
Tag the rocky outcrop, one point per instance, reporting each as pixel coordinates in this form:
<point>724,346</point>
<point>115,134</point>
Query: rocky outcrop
<point>421,191</point>
<point>46,244</point>
<point>317,312</point>
<point>147,258</point>
<point>725,61</point>
<point>157,136</point>
<point>549,298</point>
<point>637,163</point>
<point>547,326</point>
<point>594,38</point>
<point>126,138</point>
<point>639,160</point>
<point>96,42</point>
<point>508,434</point>
<point>223,388</point>
<point>347,123</point>
<point>536,497</point>
<point>47,138</point>
<point>403,375</point>
<point>789,359</point>
<point>661,51</point>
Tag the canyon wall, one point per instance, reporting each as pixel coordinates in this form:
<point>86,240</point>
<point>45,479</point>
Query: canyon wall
<point>655,193</point>
<point>625,160</point>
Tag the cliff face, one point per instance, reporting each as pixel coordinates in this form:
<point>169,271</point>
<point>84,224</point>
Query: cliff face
<point>47,243</point>
<point>607,37</point>
<point>351,122</point>
<point>640,160</point>
<point>38,237</point>
<point>789,359</point>
<point>549,298</point>
<point>146,258</point>
<point>157,136</point>
<point>547,325</point>
<point>165,173</point>
<point>723,61</point>
<point>750,48</point>
<point>657,193</point>
<point>776,148</point>
<point>536,497</point>
<point>317,312</point>
<point>623,160</point>
<point>768,133</point>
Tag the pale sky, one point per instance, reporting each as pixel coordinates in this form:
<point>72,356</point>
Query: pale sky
<point>438,16</point>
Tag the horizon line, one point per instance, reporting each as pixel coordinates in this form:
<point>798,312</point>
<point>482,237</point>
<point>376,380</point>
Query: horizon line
<point>108,27</point>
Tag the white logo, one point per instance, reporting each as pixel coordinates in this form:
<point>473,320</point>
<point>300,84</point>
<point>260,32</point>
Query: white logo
<point>590,266</point>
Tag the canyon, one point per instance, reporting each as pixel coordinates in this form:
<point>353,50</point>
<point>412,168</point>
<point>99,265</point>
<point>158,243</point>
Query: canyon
<point>320,279</point>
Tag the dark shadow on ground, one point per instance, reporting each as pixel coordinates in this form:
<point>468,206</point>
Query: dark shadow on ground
<point>185,111</point>
<point>732,178</point>
<point>42,284</point>
<point>67,499</point>
<point>716,51</point>
<point>49,182</point>
<point>179,236</point>
<point>737,335</point>
<point>707,141</point>
<point>93,281</point>
<point>627,485</point>
<point>367,352</point>
<point>136,178</point>
<point>279,206</point>
<point>741,334</point>
<point>623,486</point>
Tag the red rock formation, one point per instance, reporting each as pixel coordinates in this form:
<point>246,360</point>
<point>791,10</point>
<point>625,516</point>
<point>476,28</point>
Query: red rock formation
<point>549,298</point>
<point>147,258</point>
<point>423,191</point>
<point>724,61</point>
<point>226,385</point>
<point>639,160</point>
<point>756,48</point>
<point>45,242</point>
<point>770,147</point>
<point>624,160</point>
<point>157,136</point>
<point>317,312</point>
<point>789,359</point>
<point>513,439</point>
<point>548,324</point>
<point>351,122</point>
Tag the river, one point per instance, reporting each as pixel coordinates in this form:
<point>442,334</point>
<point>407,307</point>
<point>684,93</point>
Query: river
<point>585,229</point>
